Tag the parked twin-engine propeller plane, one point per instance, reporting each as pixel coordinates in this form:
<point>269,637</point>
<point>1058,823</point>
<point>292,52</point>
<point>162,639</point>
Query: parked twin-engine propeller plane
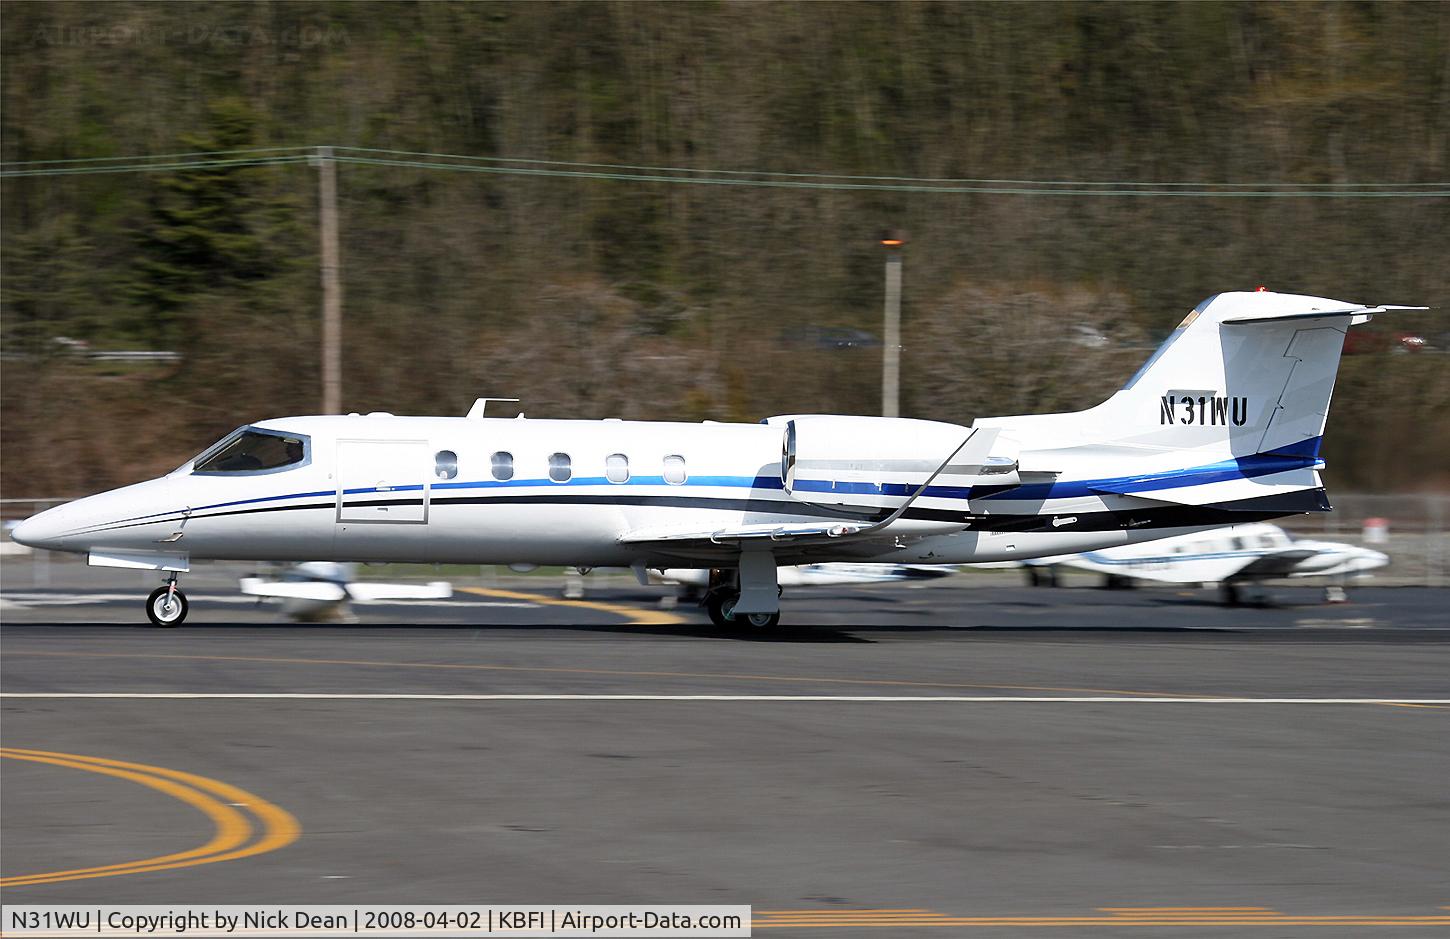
<point>1238,559</point>
<point>1221,425</point>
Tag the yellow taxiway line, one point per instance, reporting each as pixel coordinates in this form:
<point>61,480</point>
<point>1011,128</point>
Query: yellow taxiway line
<point>633,616</point>
<point>217,800</point>
<point>1160,916</point>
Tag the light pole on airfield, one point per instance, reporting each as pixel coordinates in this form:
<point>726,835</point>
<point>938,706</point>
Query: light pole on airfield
<point>331,282</point>
<point>892,241</point>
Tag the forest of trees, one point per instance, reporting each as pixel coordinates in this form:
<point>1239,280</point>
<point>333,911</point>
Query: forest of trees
<point>597,297</point>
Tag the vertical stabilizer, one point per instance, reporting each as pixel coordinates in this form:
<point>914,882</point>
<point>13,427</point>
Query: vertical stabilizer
<point>1229,412</point>
<point>1242,374</point>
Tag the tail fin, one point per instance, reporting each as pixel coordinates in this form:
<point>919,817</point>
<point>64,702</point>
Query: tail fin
<point>1244,373</point>
<point>1242,384</point>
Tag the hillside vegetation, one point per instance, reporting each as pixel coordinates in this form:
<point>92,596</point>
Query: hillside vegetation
<point>600,297</point>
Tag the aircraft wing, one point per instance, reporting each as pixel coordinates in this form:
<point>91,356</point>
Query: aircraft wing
<point>330,592</point>
<point>803,535</point>
<point>1275,564</point>
<point>294,590</point>
<point>365,591</point>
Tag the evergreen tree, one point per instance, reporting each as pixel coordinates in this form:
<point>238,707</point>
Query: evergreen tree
<point>214,232</point>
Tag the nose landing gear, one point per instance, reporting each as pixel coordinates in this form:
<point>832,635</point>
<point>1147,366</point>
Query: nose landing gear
<point>167,605</point>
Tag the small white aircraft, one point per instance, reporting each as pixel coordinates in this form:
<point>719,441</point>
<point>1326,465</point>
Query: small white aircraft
<point>316,591</point>
<point>1238,558</point>
<point>1222,425</point>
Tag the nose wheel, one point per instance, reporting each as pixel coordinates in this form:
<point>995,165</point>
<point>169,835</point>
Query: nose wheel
<point>167,605</point>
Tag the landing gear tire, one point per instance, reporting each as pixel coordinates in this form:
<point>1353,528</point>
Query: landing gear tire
<point>166,606</point>
<point>1041,575</point>
<point>721,607</point>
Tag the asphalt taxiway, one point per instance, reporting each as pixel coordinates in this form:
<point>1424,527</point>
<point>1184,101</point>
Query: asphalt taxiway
<point>1062,762</point>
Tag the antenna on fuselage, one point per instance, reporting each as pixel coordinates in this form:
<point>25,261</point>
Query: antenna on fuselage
<point>480,404</point>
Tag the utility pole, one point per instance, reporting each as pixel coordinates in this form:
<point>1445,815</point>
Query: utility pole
<point>331,284</point>
<point>892,241</point>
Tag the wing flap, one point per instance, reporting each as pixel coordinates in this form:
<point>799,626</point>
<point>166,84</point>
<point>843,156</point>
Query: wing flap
<point>792,533</point>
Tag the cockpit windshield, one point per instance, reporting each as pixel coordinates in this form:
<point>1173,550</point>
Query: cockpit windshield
<point>251,450</point>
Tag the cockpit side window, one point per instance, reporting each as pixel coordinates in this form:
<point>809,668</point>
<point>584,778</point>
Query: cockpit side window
<point>251,450</point>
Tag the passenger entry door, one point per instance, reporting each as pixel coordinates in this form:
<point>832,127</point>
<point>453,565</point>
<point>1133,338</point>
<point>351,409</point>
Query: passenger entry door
<point>382,481</point>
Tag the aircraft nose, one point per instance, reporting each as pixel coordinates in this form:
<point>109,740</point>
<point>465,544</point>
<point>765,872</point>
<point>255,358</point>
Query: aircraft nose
<point>84,524</point>
<point>41,531</point>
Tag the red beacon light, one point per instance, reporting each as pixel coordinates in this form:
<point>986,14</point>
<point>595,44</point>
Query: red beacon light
<point>1261,289</point>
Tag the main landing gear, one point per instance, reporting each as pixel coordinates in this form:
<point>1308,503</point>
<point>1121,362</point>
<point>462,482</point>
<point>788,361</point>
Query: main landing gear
<point>720,604</point>
<point>723,594</point>
<point>167,605</point>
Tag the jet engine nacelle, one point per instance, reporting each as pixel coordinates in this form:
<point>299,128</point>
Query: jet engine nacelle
<point>878,462</point>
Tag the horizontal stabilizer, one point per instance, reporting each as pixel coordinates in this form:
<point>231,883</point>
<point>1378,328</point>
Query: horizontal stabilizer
<point>1269,317</point>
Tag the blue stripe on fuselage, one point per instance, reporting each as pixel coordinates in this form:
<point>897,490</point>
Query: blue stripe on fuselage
<point>1247,467</point>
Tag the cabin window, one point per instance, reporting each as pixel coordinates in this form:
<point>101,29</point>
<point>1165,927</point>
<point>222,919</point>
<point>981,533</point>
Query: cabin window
<point>251,450</point>
<point>616,467</point>
<point>503,465</point>
<point>559,467</point>
<point>1239,544</point>
<point>445,464</point>
<point>674,469</point>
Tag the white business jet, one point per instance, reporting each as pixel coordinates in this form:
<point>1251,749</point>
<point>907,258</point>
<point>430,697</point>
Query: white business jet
<point>1238,559</point>
<point>1222,425</point>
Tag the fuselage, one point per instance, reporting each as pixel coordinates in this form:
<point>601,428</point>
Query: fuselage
<point>484,490</point>
<point>1252,552</point>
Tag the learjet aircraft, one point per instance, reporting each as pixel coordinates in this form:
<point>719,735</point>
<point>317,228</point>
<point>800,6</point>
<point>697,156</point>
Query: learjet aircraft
<point>1222,425</point>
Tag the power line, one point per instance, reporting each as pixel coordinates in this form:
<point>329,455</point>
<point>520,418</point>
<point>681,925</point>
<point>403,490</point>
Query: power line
<point>898,187</point>
<point>150,167</point>
<point>155,156</point>
<point>510,166</point>
<point>905,179</point>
